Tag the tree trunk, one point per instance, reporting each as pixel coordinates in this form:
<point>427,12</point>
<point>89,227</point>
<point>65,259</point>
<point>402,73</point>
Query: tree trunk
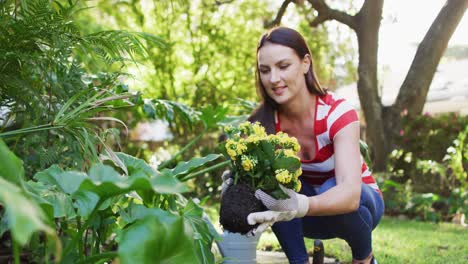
<point>383,124</point>
<point>368,24</point>
<point>413,92</point>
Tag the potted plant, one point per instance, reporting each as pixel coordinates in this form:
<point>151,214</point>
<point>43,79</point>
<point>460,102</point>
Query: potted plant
<point>258,161</point>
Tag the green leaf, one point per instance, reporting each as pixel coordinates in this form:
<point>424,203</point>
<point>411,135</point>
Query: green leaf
<point>168,109</point>
<point>136,212</point>
<point>100,173</point>
<point>203,234</point>
<point>112,184</point>
<point>279,194</point>
<point>157,239</point>
<point>210,116</point>
<point>106,182</point>
<point>67,181</point>
<point>34,191</point>
<point>364,149</point>
<point>186,167</point>
<point>166,183</point>
<point>85,202</point>
<point>11,167</point>
<point>269,183</point>
<point>60,203</point>
<point>134,165</point>
<point>24,217</point>
<point>288,163</point>
<point>248,105</point>
<point>233,121</point>
<point>149,110</point>
<point>268,149</point>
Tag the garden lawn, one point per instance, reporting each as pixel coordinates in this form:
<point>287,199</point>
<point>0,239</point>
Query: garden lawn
<point>399,241</point>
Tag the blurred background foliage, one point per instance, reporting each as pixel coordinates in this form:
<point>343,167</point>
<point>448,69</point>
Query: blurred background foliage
<point>187,56</point>
<point>426,176</point>
<point>209,60</point>
<point>81,81</point>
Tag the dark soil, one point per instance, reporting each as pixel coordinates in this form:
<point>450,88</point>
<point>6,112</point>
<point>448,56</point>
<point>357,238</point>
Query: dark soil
<point>236,204</point>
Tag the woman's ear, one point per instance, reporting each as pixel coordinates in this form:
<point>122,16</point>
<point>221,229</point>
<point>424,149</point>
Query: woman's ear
<point>306,61</point>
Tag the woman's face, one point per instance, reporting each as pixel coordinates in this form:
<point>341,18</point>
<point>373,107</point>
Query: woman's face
<point>282,71</point>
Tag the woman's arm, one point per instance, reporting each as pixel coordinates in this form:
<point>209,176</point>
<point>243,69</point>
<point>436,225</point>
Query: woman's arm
<point>345,196</point>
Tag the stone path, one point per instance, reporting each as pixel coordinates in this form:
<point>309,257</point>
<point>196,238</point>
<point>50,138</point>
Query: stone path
<point>270,257</point>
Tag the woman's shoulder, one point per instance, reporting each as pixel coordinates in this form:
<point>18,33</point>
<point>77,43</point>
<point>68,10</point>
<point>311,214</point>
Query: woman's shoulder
<point>331,98</point>
<point>332,101</point>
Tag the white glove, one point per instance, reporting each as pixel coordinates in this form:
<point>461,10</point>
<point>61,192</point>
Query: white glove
<point>227,181</point>
<point>296,202</point>
<point>266,219</point>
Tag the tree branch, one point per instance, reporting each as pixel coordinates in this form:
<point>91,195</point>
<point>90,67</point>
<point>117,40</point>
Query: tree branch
<point>326,13</point>
<point>279,15</point>
<point>219,2</point>
<point>415,87</point>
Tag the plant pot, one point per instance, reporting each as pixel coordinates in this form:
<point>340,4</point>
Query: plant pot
<point>237,248</point>
<point>237,202</point>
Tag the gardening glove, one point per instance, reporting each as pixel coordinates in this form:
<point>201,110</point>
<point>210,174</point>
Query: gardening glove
<point>266,219</point>
<point>297,203</point>
<point>227,181</point>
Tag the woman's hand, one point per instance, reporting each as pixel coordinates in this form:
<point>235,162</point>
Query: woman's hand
<point>297,205</point>
<point>266,219</point>
<point>227,181</point>
<point>296,202</point>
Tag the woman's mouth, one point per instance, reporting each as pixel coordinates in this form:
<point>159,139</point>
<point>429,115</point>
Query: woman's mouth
<point>279,90</point>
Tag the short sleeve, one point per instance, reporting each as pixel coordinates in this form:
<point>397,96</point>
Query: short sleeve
<point>341,114</point>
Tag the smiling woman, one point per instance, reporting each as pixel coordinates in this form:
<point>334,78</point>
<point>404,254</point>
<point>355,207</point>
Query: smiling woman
<point>283,76</point>
<point>283,63</point>
<point>339,196</point>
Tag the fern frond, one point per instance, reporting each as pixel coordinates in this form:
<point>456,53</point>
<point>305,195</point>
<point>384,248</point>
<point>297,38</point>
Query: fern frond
<point>168,110</point>
<point>117,44</point>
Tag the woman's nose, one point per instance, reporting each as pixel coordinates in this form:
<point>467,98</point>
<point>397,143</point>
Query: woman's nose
<point>274,77</point>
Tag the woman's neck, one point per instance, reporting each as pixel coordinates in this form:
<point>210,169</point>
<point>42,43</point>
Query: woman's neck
<point>301,108</point>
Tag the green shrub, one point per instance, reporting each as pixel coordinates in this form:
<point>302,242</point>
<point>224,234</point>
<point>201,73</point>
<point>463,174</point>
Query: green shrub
<point>426,176</point>
<point>41,75</point>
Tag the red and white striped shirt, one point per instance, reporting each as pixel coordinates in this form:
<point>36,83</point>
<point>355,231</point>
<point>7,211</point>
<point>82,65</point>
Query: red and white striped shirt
<point>332,113</point>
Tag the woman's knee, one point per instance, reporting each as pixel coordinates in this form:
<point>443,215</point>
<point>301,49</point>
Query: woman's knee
<point>373,201</point>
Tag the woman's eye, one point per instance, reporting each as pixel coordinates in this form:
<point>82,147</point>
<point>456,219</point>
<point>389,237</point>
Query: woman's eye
<point>264,71</point>
<point>282,67</point>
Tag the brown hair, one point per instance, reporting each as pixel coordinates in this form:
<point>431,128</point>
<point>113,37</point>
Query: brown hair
<point>290,38</point>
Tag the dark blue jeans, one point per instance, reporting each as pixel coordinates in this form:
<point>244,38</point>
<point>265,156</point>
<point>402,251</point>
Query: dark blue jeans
<point>355,228</point>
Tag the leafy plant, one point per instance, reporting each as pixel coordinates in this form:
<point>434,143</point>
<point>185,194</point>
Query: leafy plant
<point>449,174</point>
<point>89,209</point>
<point>50,106</point>
<point>263,161</point>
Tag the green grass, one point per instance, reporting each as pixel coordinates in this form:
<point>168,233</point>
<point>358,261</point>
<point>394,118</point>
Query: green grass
<point>399,241</point>
<point>394,241</point>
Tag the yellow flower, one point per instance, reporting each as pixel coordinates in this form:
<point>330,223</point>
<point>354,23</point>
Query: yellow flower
<point>231,148</point>
<point>291,143</point>
<point>296,147</point>
<point>283,176</point>
<point>230,144</point>
<point>247,163</point>
<point>245,127</point>
<point>228,129</point>
<point>241,147</point>
<point>298,186</point>
<point>298,173</point>
<point>253,139</point>
<point>273,139</point>
<point>290,153</point>
<point>258,129</point>
<point>232,153</point>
